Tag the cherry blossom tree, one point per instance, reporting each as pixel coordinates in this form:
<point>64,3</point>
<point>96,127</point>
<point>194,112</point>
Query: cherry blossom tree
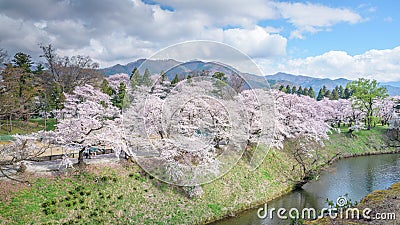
<point>301,116</point>
<point>302,125</point>
<point>336,112</point>
<point>394,122</point>
<point>21,149</point>
<point>385,109</point>
<point>116,79</point>
<point>184,130</point>
<point>88,119</point>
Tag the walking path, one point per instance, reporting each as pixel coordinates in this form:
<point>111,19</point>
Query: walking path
<point>44,167</point>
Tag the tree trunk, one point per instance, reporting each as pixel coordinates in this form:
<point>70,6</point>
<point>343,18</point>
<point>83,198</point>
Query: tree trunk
<point>80,156</point>
<point>10,127</point>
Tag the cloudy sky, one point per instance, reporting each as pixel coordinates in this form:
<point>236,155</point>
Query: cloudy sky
<point>332,38</point>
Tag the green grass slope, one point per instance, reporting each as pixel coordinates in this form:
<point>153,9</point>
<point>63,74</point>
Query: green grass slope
<point>123,194</point>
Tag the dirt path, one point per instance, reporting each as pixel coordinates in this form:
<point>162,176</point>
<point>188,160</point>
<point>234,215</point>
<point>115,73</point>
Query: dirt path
<point>47,167</point>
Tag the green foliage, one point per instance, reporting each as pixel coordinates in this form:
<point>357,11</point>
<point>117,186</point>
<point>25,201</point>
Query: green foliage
<point>334,95</point>
<point>106,88</point>
<point>39,69</point>
<point>135,78</point>
<point>364,93</point>
<point>294,90</point>
<point>146,80</point>
<point>282,88</point>
<point>175,80</point>
<point>120,96</point>
<point>288,89</point>
<point>25,127</point>
<point>56,98</point>
<point>163,76</point>
<point>341,92</point>
<point>220,76</point>
<point>311,92</point>
<point>215,208</point>
<point>305,91</point>
<point>23,61</point>
<point>300,91</point>
<point>320,95</point>
<point>21,90</point>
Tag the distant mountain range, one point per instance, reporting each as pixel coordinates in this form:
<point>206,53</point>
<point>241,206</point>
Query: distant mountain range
<point>154,66</point>
<point>172,67</point>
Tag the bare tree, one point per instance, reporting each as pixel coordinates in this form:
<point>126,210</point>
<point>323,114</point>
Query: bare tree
<point>49,53</point>
<point>70,71</point>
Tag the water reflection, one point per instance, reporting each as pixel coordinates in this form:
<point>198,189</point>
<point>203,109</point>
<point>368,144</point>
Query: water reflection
<point>353,176</point>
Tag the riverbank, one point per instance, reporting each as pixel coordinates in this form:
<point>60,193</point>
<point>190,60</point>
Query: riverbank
<point>384,205</point>
<point>123,193</point>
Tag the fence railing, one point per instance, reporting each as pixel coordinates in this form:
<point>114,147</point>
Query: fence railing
<point>71,155</point>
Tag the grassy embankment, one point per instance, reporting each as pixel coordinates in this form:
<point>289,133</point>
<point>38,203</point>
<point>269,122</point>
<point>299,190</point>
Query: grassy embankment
<point>123,193</point>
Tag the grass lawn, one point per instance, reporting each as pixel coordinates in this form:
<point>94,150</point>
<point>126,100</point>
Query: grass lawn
<point>360,142</point>
<point>25,127</point>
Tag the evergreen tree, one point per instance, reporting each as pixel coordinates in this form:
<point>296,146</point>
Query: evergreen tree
<point>106,88</point>
<point>39,69</point>
<point>334,95</point>
<point>324,89</point>
<point>135,78</point>
<point>347,93</point>
<point>282,88</point>
<point>23,61</point>
<point>175,80</point>
<point>146,80</point>
<point>300,91</point>
<point>327,94</point>
<point>311,92</point>
<point>119,99</point>
<point>220,76</point>
<point>305,91</point>
<point>294,90</point>
<point>320,94</point>
<point>341,91</point>
<point>56,98</point>
<point>163,76</point>
<point>288,89</point>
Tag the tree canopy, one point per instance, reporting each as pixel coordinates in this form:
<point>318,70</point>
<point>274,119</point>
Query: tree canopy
<point>365,93</point>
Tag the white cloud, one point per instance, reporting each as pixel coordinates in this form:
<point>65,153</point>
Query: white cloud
<point>226,12</point>
<point>256,42</point>
<point>307,17</point>
<point>388,19</point>
<point>122,31</point>
<point>382,65</point>
<point>20,35</point>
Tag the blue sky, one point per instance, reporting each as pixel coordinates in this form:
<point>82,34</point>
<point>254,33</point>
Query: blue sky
<point>333,39</point>
<point>378,30</point>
